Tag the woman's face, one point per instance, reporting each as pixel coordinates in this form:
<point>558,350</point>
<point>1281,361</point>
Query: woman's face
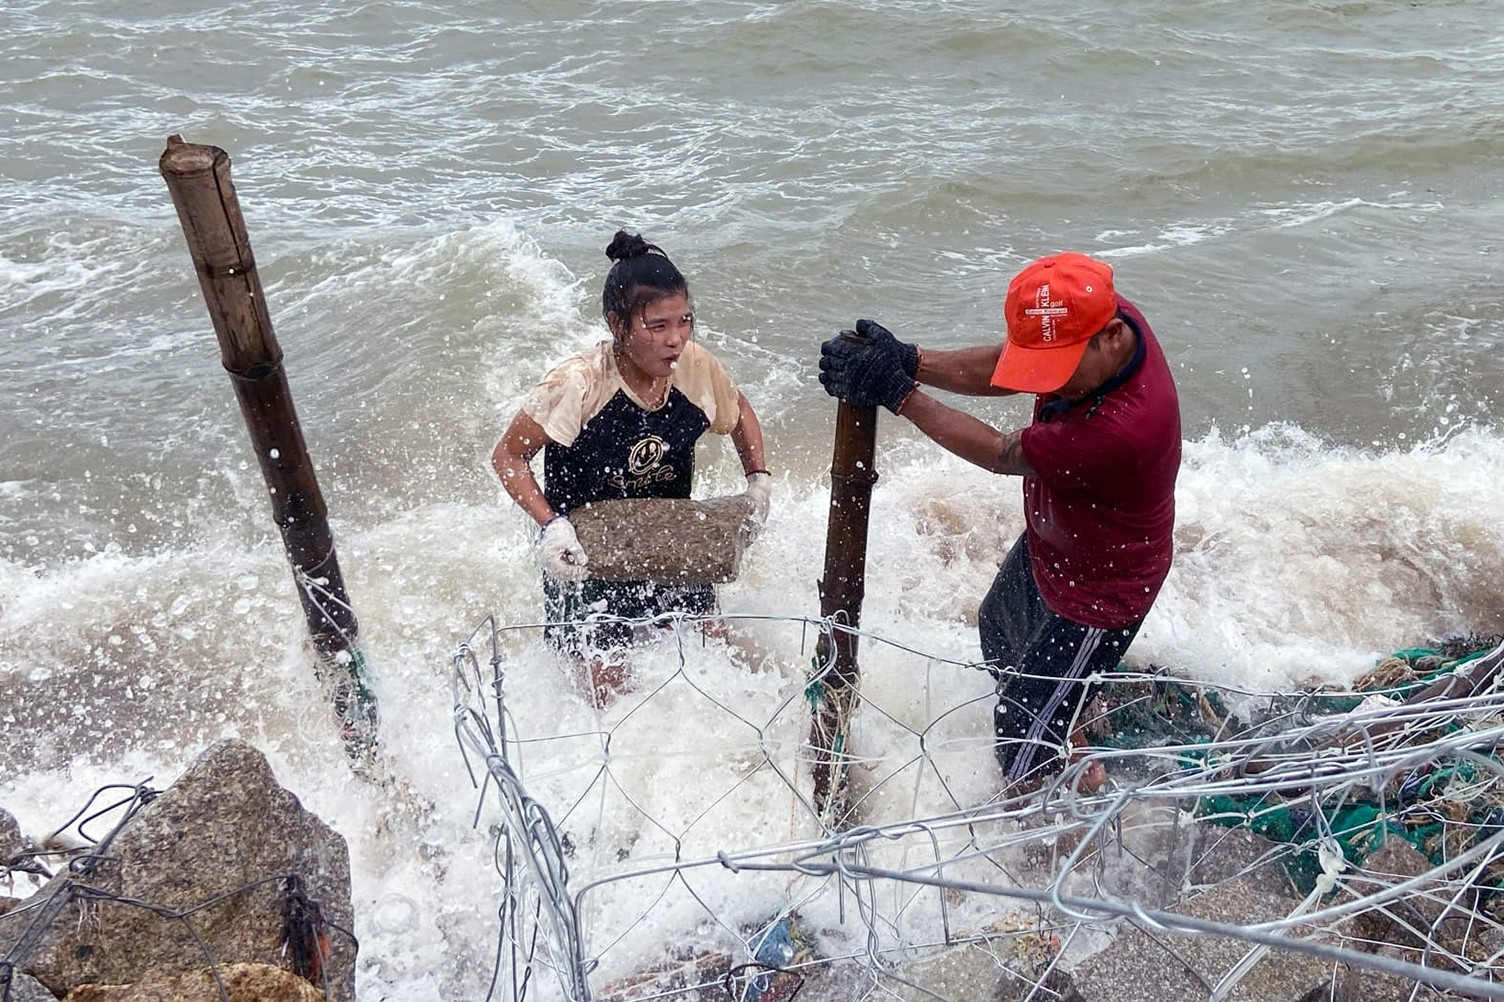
<point>655,336</point>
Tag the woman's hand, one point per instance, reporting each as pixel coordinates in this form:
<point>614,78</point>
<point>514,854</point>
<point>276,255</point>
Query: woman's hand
<point>564,558</point>
<point>760,493</point>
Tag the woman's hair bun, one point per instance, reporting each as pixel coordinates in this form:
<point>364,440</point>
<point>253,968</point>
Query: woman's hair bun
<point>625,245</point>
<point>640,273</point>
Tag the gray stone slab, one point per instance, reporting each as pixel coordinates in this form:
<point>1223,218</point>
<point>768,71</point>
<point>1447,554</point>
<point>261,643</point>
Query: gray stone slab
<point>1142,966</point>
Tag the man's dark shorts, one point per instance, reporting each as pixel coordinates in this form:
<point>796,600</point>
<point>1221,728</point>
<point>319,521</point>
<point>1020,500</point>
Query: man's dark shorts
<point>567,604</point>
<point>1039,659</point>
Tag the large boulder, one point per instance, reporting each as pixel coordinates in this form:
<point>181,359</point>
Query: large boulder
<point>198,876</point>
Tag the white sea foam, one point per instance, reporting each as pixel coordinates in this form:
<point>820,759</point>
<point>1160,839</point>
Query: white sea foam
<point>1295,562</point>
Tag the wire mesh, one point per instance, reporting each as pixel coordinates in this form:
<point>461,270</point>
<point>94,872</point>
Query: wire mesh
<point>625,876</point>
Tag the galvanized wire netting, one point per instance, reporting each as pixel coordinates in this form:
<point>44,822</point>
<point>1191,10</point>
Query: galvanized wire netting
<point>637,865</point>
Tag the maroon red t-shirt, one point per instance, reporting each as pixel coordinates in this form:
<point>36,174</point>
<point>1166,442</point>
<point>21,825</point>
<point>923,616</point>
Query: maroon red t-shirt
<point>1100,508</point>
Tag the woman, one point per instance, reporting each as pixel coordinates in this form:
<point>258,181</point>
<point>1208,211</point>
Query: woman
<point>621,420</point>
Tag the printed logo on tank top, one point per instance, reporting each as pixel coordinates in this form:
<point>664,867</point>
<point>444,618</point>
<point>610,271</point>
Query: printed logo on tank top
<point>624,451</point>
<point>644,465</point>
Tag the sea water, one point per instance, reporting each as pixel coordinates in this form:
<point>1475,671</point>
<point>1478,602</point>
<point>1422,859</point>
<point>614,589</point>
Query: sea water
<point>1303,198</point>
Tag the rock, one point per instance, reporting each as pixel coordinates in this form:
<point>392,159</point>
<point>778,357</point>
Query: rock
<point>676,540</point>
<point>1167,857</point>
<point>25,988</point>
<point>1223,853</point>
<point>1353,984</point>
<point>12,845</point>
<point>11,842</point>
<point>1426,913</point>
<point>225,833</point>
<point>839,981</point>
<point>242,982</point>
<point>1152,862</point>
<point>1234,876</point>
<point>1165,967</point>
<point>996,971</point>
<point>1423,919</point>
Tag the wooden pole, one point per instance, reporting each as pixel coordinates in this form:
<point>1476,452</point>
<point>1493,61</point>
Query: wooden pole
<point>198,178</point>
<point>833,694</point>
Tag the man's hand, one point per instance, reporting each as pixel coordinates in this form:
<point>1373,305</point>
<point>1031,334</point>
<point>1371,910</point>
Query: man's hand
<point>865,375</point>
<point>563,557</point>
<point>760,493</point>
<point>883,338</point>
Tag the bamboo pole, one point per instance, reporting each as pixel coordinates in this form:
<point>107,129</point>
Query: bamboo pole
<point>833,694</point>
<point>198,177</point>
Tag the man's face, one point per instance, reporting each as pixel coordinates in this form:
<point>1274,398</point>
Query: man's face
<point>1099,363</point>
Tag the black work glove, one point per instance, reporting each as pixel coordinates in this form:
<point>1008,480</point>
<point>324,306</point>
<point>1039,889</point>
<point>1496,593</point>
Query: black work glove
<point>864,375</point>
<point>883,338</point>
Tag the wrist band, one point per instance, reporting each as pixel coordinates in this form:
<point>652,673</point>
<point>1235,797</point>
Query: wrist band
<point>912,390</point>
<point>551,521</point>
<point>748,473</point>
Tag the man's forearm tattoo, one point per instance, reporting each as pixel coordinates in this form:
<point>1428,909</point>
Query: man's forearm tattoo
<point>1012,458</point>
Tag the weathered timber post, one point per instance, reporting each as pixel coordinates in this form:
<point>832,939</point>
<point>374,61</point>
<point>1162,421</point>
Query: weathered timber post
<point>198,178</point>
<point>833,695</point>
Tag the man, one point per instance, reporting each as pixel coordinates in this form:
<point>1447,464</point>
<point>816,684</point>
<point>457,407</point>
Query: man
<point>1098,464</point>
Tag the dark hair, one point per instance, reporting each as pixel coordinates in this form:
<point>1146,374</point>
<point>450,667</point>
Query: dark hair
<point>642,274</point>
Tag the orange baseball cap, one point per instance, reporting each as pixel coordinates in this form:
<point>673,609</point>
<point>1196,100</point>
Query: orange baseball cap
<point>1053,308</point>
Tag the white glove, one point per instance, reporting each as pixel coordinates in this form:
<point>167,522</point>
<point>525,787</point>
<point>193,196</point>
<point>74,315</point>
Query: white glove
<point>760,493</point>
<point>563,557</point>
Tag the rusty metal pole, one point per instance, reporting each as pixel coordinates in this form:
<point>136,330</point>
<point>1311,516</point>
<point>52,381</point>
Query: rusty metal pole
<point>198,178</point>
<point>833,694</point>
